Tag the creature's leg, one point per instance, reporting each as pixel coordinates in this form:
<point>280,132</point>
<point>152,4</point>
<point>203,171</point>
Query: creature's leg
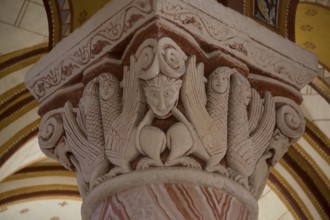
<point>213,165</point>
<point>153,142</point>
<point>237,177</point>
<point>180,143</point>
<point>100,169</point>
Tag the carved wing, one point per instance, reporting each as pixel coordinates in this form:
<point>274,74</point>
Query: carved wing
<point>255,110</point>
<point>254,147</point>
<point>262,135</point>
<point>81,120</point>
<point>194,99</point>
<point>76,139</point>
<point>120,130</point>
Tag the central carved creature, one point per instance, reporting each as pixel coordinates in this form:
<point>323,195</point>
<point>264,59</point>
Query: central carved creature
<point>162,94</point>
<point>163,64</point>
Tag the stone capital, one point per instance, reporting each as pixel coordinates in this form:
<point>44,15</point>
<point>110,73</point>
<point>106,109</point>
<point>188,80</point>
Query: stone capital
<point>158,105</point>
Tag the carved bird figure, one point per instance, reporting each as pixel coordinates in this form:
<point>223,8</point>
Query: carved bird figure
<point>193,97</point>
<point>244,150</point>
<point>85,135</point>
<point>119,147</point>
<point>217,103</point>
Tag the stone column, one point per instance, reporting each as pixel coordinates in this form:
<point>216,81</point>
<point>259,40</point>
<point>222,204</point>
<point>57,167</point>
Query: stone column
<point>170,109</point>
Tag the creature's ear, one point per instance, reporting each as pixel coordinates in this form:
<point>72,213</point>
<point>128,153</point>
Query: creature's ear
<point>177,84</point>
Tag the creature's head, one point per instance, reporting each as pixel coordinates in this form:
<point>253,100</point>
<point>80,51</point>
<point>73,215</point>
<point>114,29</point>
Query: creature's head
<point>62,153</point>
<point>219,80</point>
<point>162,94</point>
<point>108,85</point>
<point>279,145</point>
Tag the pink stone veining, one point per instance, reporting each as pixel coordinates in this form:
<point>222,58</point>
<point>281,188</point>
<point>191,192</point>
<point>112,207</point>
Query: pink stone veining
<point>171,201</point>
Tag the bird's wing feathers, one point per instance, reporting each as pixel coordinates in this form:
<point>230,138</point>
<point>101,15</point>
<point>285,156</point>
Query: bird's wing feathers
<point>194,99</point>
<point>121,129</point>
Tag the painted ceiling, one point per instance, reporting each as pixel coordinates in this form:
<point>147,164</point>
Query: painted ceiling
<point>34,187</point>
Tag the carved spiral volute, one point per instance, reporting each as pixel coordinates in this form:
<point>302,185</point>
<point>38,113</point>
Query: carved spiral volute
<point>289,118</point>
<point>172,60</point>
<point>160,56</point>
<point>50,130</point>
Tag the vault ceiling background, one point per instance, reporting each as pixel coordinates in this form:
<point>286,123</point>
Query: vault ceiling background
<point>34,187</point>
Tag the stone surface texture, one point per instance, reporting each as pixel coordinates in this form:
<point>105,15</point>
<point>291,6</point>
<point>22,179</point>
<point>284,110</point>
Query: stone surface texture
<point>161,94</point>
<point>171,201</point>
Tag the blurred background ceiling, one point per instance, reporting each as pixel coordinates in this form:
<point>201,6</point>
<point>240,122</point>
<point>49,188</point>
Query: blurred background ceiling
<point>34,187</point>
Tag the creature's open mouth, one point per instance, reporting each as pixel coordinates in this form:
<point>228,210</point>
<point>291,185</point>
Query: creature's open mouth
<point>164,116</point>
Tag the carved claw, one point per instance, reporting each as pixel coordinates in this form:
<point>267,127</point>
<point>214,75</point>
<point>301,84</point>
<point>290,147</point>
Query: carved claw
<point>217,169</point>
<point>238,178</point>
<point>117,171</point>
<point>114,172</point>
<point>185,161</point>
<point>147,162</point>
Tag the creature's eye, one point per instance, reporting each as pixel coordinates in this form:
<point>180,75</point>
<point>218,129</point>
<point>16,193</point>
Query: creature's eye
<point>168,93</point>
<point>153,94</point>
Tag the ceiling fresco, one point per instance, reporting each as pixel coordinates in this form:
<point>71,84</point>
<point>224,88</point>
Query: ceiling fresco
<point>34,187</point>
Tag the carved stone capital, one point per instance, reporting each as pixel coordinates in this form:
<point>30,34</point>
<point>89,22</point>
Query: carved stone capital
<point>166,97</point>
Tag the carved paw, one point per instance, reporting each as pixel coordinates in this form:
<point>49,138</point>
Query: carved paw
<point>252,190</point>
<point>114,172</point>
<point>185,161</point>
<point>217,169</point>
<point>147,162</point>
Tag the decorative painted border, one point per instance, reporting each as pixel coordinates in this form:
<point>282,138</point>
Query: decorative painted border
<point>288,196</point>
<point>318,140</point>
<point>321,87</point>
<point>44,173</point>
<point>44,78</point>
<point>19,59</point>
<point>308,179</point>
<point>34,192</point>
<point>16,109</point>
<point>16,142</point>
